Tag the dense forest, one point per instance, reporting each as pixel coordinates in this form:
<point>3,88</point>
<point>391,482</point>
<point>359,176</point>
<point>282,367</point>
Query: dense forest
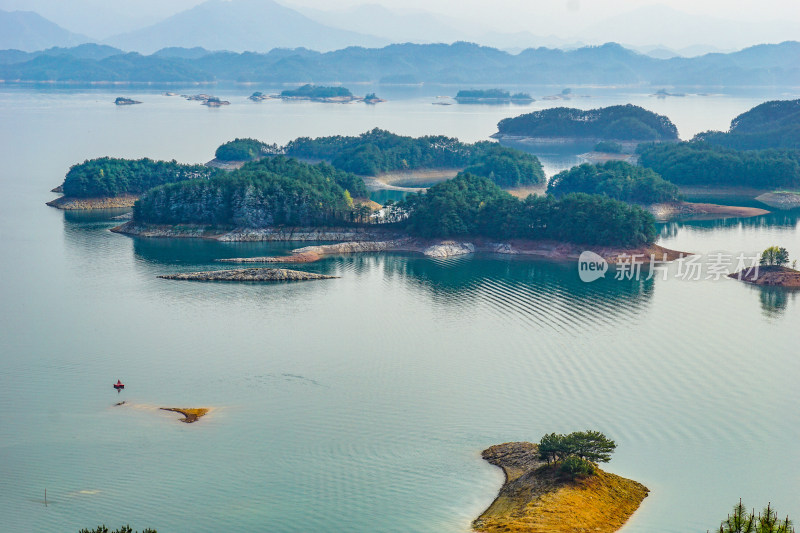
<point>774,124</point>
<point>474,206</point>
<point>244,150</point>
<point>458,63</point>
<point>316,91</point>
<point>615,179</point>
<point>272,191</point>
<point>622,122</point>
<point>698,163</point>
<point>109,176</point>
<point>379,151</point>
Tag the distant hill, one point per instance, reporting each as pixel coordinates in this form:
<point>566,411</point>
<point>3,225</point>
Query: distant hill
<point>459,63</point>
<point>83,51</point>
<point>240,25</point>
<point>27,31</point>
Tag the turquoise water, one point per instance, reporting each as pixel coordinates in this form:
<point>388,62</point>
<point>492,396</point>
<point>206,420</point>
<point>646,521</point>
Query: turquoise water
<point>360,403</point>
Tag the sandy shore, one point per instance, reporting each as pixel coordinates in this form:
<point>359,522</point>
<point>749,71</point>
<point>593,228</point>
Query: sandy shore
<point>534,499</point>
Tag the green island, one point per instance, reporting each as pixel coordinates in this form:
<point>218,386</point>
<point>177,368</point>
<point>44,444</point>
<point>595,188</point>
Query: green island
<point>378,151</point>
<point>280,198</point>
<point>112,182</point>
<point>760,152</point>
<point>555,486</point>
<point>318,93</point>
<point>467,96</point>
<point>772,270</point>
<point>622,123</point>
<point>121,100</point>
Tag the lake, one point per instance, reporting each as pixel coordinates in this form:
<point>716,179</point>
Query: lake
<point>361,403</point>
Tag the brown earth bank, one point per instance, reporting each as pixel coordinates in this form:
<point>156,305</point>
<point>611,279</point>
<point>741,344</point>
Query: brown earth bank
<point>769,276</point>
<point>447,248</point>
<point>106,202</point>
<point>701,211</point>
<point>535,499</point>
<point>190,414</point>
<point>248,274</point>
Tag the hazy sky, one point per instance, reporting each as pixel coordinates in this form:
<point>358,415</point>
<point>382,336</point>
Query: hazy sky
<point>563,18</point>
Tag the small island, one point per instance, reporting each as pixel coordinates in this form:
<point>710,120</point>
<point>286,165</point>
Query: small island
<point>258,96</point>
<point>248,274</point>
<point>491,96</point>
<point>556,487</point>
<point>772,270</point>
<point>121,100</point>
<point>319,93</point>
<point>190,414</point>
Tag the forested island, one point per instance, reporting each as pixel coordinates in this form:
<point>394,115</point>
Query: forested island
<point>615,179</point>
<point>108,178</point>
<point>493,96</point>
<point>318,93</point>
<point>379,151</point>
<point>774,124</point>
<point>622,123</point>
<point>761,150</point>
<point>121,100</point>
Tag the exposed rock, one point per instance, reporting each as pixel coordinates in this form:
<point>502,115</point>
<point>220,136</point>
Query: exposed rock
<point>449,249</point>
<point>248,274</point>
<point>501,248</point>
<point>780,200</point>
<point>110,202</point>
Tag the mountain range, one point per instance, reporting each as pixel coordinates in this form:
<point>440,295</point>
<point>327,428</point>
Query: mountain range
<point>28,31</point>
<point>459,63</point>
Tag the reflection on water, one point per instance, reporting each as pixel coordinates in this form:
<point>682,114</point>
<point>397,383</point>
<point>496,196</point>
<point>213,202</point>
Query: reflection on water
<point>775,300</point>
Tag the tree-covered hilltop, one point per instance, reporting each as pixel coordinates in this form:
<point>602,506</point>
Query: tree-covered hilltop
<point>471,205</point>
<point>697,163</point>
<point>244,150</point>
<point>379,151</point>
<point>774,124</point>
<point>272,191</point>
<point>615,179</point>
<point>316,91</point>
<point>621,122</point>
<point>109,176</point>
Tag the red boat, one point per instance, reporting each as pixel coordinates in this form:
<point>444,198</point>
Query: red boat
<point>118,385</point>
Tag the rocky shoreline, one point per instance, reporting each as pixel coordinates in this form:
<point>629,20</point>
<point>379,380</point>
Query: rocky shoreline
<point>534,498</point>
<point>107,202</point>
<point>248,274</point>
<point>780,200</point>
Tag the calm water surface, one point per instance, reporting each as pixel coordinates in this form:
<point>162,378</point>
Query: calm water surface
<point>360,403</point>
